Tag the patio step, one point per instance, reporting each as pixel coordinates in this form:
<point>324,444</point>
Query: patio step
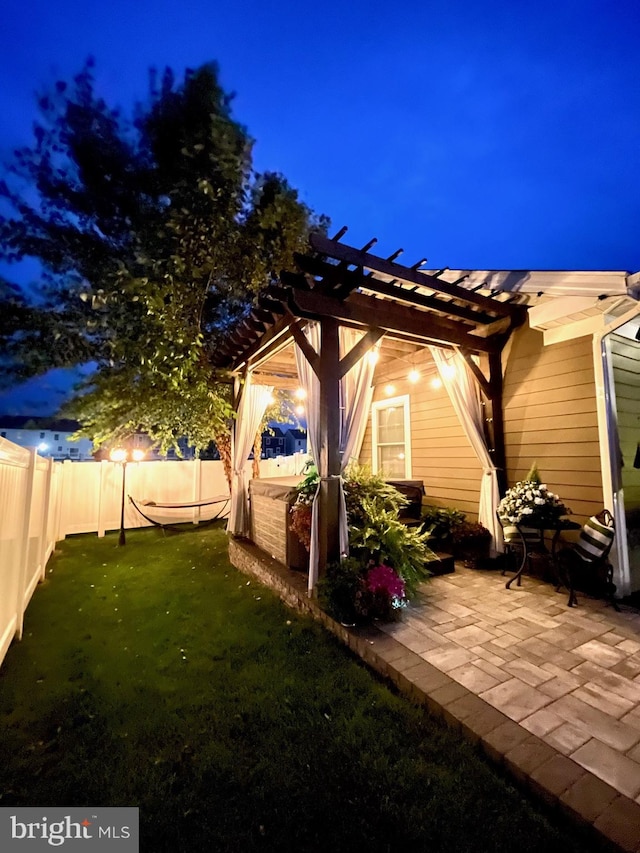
<point>444,565</point>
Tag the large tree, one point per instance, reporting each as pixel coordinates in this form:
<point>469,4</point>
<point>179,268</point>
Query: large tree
<point>153,233</point>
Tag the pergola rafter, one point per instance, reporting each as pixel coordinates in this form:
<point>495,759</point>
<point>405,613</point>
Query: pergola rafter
<point>361,290</point>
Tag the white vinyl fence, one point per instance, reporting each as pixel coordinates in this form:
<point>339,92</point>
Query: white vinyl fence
<point>42,501</point>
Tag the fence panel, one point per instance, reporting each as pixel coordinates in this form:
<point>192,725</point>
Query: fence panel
<point>14,470</point>
<point>35,511</point>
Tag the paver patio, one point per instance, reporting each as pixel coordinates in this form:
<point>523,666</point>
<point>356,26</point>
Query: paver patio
<point>568,676</point>
<point>571,676</point>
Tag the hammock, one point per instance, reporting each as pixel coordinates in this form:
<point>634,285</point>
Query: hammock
<point>172,512</point>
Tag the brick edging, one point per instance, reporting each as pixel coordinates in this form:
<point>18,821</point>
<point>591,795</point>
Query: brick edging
<point>558,781</point>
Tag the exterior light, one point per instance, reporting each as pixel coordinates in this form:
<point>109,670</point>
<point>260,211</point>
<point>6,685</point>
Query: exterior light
<point>414,376</point>
<point>299,410</point>
<point>300,394</point>
<point>42,446</point>
<point>389,390</point>
<point>121,456</point>
<point>436,383</point>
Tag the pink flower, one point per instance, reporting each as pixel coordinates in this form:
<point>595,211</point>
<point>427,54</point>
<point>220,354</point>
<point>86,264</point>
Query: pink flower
<point>385,578</point>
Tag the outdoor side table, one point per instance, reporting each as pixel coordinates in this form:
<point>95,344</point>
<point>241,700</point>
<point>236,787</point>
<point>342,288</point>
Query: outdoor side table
<point>538,545</point>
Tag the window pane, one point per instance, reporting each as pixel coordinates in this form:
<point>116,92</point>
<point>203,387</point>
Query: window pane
<point>391,461</point>
<point>391,425</point>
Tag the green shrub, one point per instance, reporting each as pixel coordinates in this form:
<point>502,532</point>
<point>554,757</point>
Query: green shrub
<point>441,521</point>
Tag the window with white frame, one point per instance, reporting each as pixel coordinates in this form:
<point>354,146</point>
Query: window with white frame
<point>391,435</point>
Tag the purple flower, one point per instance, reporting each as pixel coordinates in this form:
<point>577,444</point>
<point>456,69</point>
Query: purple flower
<point>385,578</point>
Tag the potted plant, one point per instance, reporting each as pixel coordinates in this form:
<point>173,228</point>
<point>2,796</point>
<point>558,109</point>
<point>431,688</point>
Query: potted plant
<point>531,504</point>
<point>471,542</point>
<point>357,594</point>
<point>387,559</point>
<point>439,523</point>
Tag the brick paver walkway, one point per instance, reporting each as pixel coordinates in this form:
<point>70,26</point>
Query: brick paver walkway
<point>571,676</point>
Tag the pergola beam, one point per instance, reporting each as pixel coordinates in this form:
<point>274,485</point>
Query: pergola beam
<point>359,351</point>
<point>368,311</point>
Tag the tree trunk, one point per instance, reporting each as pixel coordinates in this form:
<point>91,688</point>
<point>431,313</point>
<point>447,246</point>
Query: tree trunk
<point>257,453</point>
<point>223,443</point>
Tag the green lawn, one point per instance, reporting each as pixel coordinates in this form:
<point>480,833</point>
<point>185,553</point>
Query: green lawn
<point>157,676</point>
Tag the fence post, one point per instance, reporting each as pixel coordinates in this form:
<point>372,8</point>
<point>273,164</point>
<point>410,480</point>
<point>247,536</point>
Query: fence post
<point>57,474</point>
<point>45,519</point>
<point>197,487</point>
<point>101,497</point>
<point>62,515</point>
<point>24,556</point>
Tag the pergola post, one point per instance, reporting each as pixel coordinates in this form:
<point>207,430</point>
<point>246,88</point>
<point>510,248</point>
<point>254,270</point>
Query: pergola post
<point>329,451</point>
<point>496,414</point>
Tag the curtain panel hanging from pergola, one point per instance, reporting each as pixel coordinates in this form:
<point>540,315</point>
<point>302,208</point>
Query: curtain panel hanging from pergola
<point>356,393</point>
<point>253,404</point>
<point>464,396</point>
<point>311,385</point>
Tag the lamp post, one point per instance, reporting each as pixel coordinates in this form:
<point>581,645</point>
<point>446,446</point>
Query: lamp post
<point>122,455</point>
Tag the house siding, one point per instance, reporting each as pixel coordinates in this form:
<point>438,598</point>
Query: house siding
<point>551,419</point>
<point>625,357</point>
<point>441,454</point>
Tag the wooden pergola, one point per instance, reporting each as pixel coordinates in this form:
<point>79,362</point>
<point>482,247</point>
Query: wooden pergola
<point>339,285</point>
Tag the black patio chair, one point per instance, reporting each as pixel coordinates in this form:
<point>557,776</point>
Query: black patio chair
<point>586,563</point>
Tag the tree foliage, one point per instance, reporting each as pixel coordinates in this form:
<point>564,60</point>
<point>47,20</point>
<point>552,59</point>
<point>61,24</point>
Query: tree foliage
<point>153,233</point>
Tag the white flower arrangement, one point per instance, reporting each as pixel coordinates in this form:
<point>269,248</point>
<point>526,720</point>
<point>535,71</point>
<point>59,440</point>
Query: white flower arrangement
<point>532,504</point>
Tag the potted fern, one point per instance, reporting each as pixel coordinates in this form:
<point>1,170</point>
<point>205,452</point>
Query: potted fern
<point>387,559</point>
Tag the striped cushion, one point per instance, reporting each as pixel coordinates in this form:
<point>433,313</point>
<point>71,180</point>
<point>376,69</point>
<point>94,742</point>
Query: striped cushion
<point>594,541</point>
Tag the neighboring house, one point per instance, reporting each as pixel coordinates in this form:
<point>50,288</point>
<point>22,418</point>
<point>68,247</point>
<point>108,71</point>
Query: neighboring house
<point>295,441</point>
<point>273,443</point>
<point>50,437</point>
<point>554,355</point>
<point>141,441</point>
<point>53,438</point>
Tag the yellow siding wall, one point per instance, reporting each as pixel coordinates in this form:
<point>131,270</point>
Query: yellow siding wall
<point>440,452</point>
<point>550,418</point>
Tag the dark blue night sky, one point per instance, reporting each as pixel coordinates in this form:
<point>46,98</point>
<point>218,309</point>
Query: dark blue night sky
<point>486,135</point>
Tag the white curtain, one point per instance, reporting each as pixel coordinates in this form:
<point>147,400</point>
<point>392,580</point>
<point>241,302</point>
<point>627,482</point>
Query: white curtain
<point>253,404</point>
<point>311,385</point>
<point>356,394</point>
<point>463,393</point>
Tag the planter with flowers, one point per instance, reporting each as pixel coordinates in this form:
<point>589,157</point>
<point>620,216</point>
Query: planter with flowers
<point>531,504</point>
<point>387,558</point>
<point>355,594</point>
